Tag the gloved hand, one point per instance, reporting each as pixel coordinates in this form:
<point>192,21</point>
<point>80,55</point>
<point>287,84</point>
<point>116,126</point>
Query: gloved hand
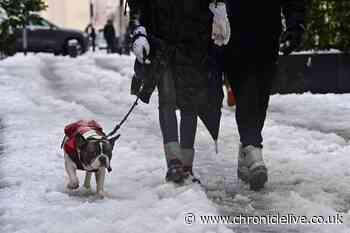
<point>140,46</point>
<point>136,84</point>
<point>291,39</point>
<point>221,25</point>
<point>141,89</point>
<point>143,83</point>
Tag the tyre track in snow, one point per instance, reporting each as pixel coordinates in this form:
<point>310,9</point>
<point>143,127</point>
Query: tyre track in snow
<point>56,85</point>
<point>54,81</point>
<point>51,72</point>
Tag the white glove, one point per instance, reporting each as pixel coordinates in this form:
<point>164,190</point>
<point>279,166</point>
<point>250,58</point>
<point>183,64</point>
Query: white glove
<point>141,47</point>
<point>221,25</point>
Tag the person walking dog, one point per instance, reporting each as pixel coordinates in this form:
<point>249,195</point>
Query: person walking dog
<point>172,40</point>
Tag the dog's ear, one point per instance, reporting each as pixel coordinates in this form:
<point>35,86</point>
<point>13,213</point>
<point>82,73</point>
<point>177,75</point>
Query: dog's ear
<point>113,140</point>
<point>80,140</point>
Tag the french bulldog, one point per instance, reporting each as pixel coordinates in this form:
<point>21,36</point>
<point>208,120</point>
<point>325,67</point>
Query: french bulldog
<point>87,148</point>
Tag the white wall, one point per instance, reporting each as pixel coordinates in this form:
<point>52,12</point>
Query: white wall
<point>68,13</point>
<point>76,13</point>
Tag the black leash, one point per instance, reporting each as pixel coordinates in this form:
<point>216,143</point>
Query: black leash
<point>117,127</point>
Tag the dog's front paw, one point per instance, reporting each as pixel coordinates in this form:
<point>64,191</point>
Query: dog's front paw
<point>73,185</point>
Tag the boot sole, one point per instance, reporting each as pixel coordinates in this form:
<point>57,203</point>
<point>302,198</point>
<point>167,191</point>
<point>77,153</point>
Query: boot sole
<point>258,178</point>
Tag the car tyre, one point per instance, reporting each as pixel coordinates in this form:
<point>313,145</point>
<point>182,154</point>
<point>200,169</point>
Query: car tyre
<point>73,48</point>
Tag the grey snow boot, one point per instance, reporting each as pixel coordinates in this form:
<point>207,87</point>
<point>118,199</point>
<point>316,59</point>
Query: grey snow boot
<point>175,171</point>
<point>251,167</point>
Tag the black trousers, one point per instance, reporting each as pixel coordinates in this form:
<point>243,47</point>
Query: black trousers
<point>167,114</point>
<point>110,46</point>
<point>252,86</point>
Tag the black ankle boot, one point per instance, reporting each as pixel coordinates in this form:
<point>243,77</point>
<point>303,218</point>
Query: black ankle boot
<point>175,172</point>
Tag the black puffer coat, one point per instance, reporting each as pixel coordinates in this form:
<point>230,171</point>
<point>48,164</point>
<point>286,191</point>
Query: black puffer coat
<point>256,27</point>
<point>179,32</point>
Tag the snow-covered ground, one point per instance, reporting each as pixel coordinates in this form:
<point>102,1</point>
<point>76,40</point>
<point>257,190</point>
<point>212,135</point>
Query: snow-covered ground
<point>306,150</point>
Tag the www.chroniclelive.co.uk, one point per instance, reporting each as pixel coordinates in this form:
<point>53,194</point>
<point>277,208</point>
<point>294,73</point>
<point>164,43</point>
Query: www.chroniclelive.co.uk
<point>191,218</point>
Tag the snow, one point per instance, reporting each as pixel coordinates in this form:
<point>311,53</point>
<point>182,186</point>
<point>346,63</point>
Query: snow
<point>315,52</point>
<point>306,150</point>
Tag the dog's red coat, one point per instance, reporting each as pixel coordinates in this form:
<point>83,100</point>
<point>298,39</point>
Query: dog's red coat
<point>79,127</point>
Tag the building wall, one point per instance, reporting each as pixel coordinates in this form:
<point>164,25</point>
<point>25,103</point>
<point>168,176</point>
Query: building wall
<point>75,14</point>
<point>104,10</point>
<point>68,13</point>
<point>110,9</point>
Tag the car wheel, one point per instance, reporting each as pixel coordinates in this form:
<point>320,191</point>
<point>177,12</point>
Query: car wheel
<point>73,48</point>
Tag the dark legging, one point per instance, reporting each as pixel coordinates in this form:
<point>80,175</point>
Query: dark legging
<point>167,115</point>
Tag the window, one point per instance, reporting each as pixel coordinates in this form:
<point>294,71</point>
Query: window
<point>36,22</point>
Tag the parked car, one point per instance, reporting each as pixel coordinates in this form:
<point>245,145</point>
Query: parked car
<point>44,36</point>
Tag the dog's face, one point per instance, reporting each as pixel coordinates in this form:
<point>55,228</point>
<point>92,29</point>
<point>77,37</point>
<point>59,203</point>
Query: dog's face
<point>96,153</point>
